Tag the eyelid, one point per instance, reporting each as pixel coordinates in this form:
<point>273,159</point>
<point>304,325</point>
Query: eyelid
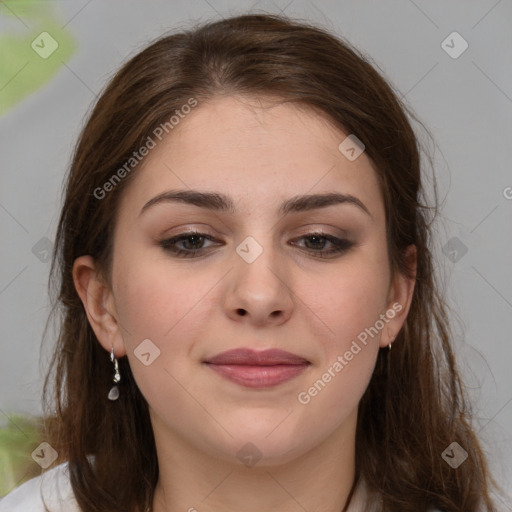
<point>314,228</point>
<point>321,229</point>
<point>306,231</point>
<point>184,235</point>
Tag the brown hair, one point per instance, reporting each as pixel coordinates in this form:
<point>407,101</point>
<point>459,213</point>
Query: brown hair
<point>414,406</point>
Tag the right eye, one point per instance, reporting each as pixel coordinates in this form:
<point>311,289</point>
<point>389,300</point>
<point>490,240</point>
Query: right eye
<point>193,239</point>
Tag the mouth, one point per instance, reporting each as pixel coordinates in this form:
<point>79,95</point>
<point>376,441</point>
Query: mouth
<point>252,369</point>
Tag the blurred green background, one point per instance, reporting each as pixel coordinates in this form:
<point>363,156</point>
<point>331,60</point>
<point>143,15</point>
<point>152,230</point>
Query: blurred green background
<point>19,437</point>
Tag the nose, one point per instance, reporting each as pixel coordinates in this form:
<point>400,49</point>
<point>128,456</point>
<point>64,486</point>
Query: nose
<point>260,291</point>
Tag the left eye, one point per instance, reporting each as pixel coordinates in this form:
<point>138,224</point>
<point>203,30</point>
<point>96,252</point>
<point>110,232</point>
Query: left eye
<point>339,245</point>
<point>193,244</point>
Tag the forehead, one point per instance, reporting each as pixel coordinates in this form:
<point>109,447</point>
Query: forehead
<point>255,150</point>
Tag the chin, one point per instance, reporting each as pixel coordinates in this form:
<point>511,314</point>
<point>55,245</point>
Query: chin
<point>263,447</point>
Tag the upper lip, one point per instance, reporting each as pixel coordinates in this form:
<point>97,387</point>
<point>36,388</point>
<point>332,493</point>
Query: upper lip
<point>247,356</point>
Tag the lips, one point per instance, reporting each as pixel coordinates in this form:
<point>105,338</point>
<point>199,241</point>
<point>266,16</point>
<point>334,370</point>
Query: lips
<point>246,356</point>
<point>253,369</point>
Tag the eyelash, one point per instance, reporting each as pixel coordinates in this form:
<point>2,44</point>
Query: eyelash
<point>341,245</point>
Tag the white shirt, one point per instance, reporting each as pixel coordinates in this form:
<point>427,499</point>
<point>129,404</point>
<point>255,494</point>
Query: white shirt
<point>53,486</point>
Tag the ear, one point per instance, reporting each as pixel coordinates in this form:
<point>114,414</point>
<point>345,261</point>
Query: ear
<point>399,299</point>
<point>99,304</point>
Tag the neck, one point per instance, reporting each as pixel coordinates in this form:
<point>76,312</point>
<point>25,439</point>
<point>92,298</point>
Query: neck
<point>319,480</point>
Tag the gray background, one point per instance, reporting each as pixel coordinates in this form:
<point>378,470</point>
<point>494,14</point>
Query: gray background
<point>465,102</point>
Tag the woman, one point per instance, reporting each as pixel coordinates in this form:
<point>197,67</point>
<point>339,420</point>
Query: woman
<point>250,318</point>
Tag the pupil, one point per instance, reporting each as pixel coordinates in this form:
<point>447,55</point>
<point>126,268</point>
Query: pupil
<point>194,238</point>
<point>318,239</point>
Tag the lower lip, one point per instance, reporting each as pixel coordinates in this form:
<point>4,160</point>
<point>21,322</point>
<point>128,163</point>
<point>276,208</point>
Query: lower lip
<point>258,376</point>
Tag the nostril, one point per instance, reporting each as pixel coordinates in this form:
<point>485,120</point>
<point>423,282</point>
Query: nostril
<point>241,312</point>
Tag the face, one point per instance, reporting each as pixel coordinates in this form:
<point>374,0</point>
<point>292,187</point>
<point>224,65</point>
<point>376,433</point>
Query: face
<point>312,279</point>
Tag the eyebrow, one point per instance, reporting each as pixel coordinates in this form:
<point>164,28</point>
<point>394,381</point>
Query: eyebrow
<point>220,202</point>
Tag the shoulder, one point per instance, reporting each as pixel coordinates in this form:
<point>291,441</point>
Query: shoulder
<point>51,489</point>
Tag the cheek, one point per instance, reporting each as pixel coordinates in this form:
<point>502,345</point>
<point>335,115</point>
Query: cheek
<point>350,307</point>
<point>164,305</point>
<point>351,300</point>
<point>154,299</point>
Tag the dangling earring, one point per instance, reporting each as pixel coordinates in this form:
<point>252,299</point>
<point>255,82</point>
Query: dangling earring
<point>113,394</point>
<point>392,339</point>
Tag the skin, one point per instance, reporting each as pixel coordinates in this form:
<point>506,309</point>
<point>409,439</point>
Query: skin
<point>260,154</point>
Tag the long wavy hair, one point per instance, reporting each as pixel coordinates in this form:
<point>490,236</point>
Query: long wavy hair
<point>414,406</point>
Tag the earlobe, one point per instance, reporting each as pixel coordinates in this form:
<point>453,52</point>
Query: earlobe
<point>400,298</point>
<point>97,300</point>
